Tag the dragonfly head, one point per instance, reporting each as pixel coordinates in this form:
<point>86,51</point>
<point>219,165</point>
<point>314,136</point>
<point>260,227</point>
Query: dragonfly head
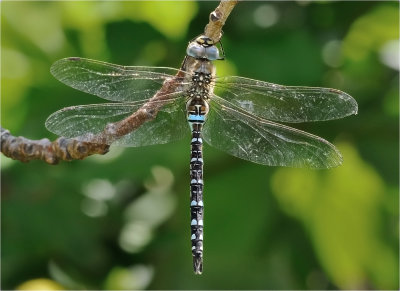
<point>203,47</point>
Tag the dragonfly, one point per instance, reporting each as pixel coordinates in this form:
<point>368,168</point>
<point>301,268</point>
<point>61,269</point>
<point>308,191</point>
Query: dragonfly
<point>241,116</point>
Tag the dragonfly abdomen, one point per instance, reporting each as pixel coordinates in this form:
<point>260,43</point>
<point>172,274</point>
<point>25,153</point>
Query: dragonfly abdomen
<point>196,197</point>
<point>196,119</point>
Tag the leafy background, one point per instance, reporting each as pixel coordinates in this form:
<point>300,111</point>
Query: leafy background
<point>120,221</point>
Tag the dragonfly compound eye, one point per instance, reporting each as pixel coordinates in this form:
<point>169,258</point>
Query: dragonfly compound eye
<point>203,48</point>
<point>212,53</point>
<point>196,50</point>
<point>204,51</point>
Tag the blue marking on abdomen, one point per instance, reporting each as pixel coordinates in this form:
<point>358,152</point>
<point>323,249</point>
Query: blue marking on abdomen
<point>193,118</point>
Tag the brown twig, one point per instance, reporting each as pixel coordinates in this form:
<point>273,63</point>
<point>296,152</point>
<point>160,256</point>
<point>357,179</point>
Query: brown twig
<point>62,149</point>
<point>147,112</point>
<point>65,149</point>
<point>218,17</point>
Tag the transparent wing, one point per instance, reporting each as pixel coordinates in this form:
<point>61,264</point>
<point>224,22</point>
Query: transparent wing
<point>261,141</point>
<point>112,82</point>
<point>87,122</point>
<point>285,103</point>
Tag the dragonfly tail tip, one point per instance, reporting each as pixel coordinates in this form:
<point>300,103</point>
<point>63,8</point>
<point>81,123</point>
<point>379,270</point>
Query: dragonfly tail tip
<point>198,265</point>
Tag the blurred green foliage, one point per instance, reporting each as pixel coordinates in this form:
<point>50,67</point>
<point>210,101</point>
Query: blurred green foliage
<point>121,221</point>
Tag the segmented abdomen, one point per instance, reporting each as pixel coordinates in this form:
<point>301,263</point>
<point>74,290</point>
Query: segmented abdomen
<point>196,197</point>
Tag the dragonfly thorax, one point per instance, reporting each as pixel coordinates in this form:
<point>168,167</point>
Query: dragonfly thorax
<point>201,86</point>
<point>199,94</point>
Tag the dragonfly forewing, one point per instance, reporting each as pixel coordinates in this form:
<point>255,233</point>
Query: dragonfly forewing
<point>113,82</point>
<point>231,129</point>
<point>285,103</point>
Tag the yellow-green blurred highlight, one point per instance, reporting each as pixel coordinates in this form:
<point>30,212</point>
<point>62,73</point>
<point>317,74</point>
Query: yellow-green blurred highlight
<point>172,23</point>
<point>370,32</point>
<point>341,210</point>
<point>40,284</point>
<point>145,214</point>
<point>16,81</point>
<point>135,278</point>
